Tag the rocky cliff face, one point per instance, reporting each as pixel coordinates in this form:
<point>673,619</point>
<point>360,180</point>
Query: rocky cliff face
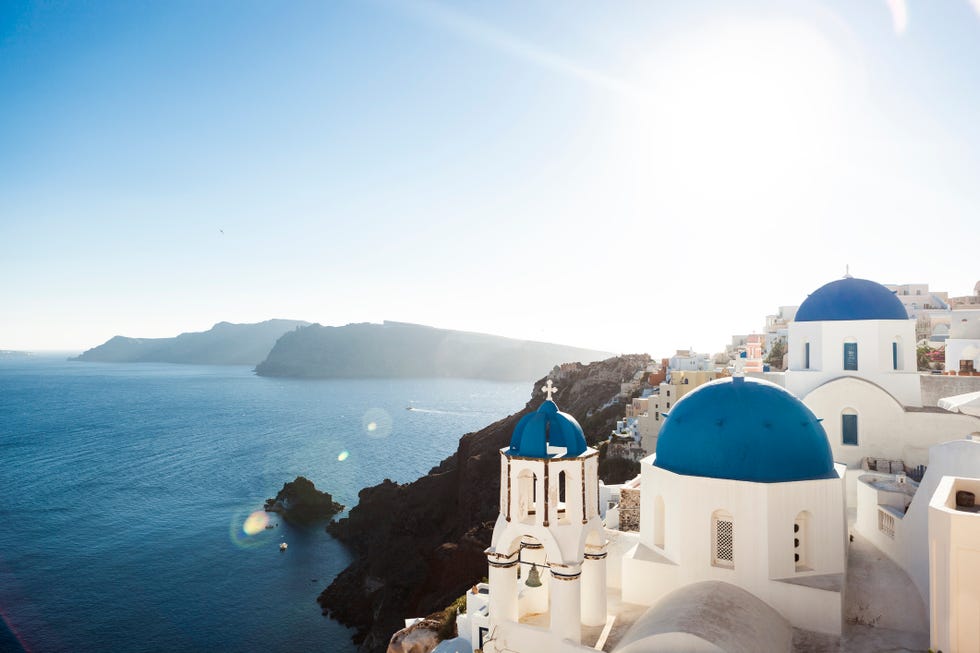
<point>419,546</point>
<point>399,350</point>
<point>222,344</point>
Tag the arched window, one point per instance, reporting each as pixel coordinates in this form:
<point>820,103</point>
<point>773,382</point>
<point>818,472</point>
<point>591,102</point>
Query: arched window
<point>851,354</point>
<point>806,355</point>
<point>897,353</point>
<point>527,495</point>
<point>801,541</point>
<point>562,507</point>
<point>849,426</point>
<point>722,539</point>
<point>658,521</point>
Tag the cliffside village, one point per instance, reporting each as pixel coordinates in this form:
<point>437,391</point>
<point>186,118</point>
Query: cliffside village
<point>812,488</point>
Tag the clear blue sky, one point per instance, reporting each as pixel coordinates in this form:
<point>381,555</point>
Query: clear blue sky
<point>627,176</point>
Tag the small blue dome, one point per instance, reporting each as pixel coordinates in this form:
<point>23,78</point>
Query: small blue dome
<point>545,427</point>
<point>851,299</point>
<point>744,430</point>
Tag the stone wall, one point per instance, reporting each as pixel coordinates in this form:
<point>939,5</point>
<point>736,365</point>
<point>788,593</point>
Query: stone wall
<point>935,387</point>
<point>629,509</point>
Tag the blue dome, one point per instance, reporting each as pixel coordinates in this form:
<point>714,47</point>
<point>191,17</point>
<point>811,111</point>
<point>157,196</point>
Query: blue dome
<point>744,430</point>
<point>545,427</point>
<point>851,299</point>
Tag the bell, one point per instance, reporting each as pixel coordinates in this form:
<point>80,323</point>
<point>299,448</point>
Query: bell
<point>533,578</point>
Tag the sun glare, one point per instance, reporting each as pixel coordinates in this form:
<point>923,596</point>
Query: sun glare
<point>743,111</point>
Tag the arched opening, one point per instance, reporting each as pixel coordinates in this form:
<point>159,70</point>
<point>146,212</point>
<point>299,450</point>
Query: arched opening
<point>806,355</point>
<point>659,522</point>
<point>533,583</point>
<point>562,507</point>
<point>527,496</point>
<point>850,354</point>
<point>897,353</point>
<point>801,541</point>
<point>849,427</point>
<point>722,539</point>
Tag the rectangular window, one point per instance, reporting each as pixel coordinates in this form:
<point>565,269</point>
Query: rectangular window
<point>724,543</point>
<point>849,429</point>
<point>894,355</point>
<point>850,356</point>
<point>806,356</point>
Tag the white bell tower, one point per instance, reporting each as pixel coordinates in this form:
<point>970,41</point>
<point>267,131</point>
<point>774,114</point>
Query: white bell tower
<point>548,529</point>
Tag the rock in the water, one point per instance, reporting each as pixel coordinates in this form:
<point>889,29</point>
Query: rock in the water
<point>300,502</point>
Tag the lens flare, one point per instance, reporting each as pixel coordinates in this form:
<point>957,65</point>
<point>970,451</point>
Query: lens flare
<point>377,423</point>
<point>342,456</point>
<point>255,523</point>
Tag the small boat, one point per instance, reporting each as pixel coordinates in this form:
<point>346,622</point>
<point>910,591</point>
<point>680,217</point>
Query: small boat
<point>410,408</point>
<point>283,546</point>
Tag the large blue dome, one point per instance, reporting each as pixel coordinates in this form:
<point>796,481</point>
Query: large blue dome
<point>544,429</point>
<point>744,430</point>
<point>851,299</point>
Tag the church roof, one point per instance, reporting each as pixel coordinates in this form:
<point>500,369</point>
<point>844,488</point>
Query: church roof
<point>541,433</point>
<point>851,299</point>
<point>744,429</point>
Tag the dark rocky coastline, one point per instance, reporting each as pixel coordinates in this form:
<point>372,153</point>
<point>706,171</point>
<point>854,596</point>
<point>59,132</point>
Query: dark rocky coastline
<point>419,546</point>
<point>299,502</point>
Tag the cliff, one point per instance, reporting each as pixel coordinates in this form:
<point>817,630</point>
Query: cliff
<point>223,344</point>
<point>399,350</point>
<point>419,546</point>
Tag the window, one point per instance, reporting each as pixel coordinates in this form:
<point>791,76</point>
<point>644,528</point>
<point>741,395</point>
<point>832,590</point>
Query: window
<point>527,495</point>
<point>562,508</point>
<point>656,416</point>
<point>806,356</point>
<point>850,356</point>
<point>849,427</point>
<point>658,521</point>
<point>668,393</point>
<point>723,540</point>
<point>800,541</point>
<point>894,355</point>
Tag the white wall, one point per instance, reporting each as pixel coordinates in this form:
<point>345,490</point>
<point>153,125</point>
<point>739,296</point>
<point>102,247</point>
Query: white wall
<point>911,546</point>
<point>874,339</point>
<point>958,349</point>
<point>764,514</point>
<point>954,543</point>
<point>885,428</point>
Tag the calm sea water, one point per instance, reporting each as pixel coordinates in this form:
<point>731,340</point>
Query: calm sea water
<point>124,489</point>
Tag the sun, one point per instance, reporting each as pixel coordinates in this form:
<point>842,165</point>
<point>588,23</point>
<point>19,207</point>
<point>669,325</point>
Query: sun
<point>739,111</point>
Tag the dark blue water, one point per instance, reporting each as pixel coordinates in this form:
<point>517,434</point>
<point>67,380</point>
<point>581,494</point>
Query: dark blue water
<point>124,489</point>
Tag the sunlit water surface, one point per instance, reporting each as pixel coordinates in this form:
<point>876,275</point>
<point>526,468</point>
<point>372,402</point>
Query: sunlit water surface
<point>124,490</point>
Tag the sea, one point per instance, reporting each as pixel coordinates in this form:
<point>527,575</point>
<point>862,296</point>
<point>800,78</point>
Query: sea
<point>129,493</point>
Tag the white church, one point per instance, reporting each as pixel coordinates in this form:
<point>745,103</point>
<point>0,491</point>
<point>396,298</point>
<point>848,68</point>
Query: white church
<point>750,509</point>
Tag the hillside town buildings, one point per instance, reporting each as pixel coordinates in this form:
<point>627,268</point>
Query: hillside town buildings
<point>832,507</point>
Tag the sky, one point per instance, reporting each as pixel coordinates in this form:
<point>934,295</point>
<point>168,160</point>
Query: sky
<point>627,176</point>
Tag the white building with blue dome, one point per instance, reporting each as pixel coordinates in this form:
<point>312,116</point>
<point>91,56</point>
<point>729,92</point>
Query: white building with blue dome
<point>743,490</point>
<point>854,328</point>
<point>852,362</point>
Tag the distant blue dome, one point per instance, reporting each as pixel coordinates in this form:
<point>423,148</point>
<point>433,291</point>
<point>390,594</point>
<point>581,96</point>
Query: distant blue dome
<point>745,430</point>
<point>547,426</point>
<point>851,299</point>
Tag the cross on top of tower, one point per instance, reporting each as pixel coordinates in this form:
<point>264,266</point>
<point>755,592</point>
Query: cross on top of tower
<point>847,271</point>
<point>549,389</point>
